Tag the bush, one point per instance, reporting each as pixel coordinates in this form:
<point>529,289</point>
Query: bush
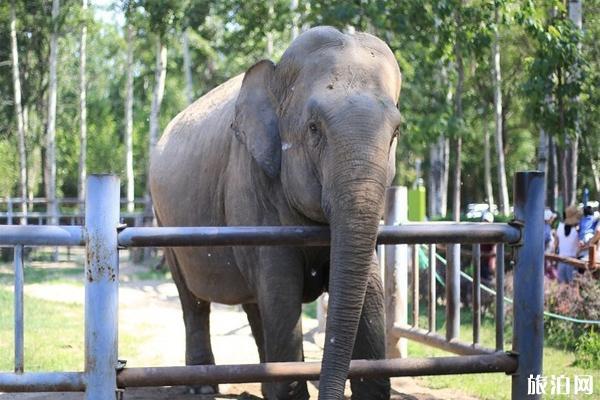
<point>579,300</point>
<point>588,351</point>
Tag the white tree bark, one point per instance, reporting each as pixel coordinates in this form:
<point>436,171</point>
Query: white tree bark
<point>19,113</point>
<point>576,16</point>
<point>187,66</point>
<point>457,181</point>
<point>160,75</point>
<point>269,35</point>
<point>497,79</point>
<point>129,122</point>
<point>295,18</point>
<point>50,166</point>
<point>487,166</point>
<point>159,91</point>
<point>438,177</point>
<point>82,110</point>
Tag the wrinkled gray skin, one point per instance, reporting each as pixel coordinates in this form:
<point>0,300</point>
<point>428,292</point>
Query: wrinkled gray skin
<point>308,141</point>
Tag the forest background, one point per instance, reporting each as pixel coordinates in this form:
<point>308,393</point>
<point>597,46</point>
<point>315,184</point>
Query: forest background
<point>490,87</point>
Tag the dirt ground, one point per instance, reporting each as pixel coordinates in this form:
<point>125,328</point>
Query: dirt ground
<point>151,309</point>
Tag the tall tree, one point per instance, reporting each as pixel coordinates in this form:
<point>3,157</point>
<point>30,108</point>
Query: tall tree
<point>50,165</point>
<point>487,166</point>
<point>497,79</point>
<point>82,106</point>
<point>576,17</point>
<point>187,66</point>
<point>129,116</point>
<point>19,113</point>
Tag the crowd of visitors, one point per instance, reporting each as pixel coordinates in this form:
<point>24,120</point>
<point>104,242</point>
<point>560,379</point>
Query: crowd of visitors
<point>570,238</point>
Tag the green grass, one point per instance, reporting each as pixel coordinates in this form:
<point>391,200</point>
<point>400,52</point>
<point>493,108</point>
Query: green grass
<point>495,386</point>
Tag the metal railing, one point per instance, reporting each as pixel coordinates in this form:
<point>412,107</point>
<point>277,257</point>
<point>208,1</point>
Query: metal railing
<point>103,236</point>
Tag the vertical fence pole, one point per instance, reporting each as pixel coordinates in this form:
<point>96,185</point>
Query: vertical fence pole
<point>9,211</point>
<point>432,294</point>
<point>500,297</point>
<point>452,291</point>
<point>19,330</point>
<point>396,274</point>
<point>528,316</point>
<point>101,286</point>
<point>476,292</point>
<point>415,285</point>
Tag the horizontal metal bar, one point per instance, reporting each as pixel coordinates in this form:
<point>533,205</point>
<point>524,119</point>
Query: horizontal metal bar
<point>433,339</point>
<point>42,382</point>
<point>214,374</point>
<point>45,235</point>
<point>314,235</point>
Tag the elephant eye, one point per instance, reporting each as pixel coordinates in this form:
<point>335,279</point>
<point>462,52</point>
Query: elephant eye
<point>313,128</point>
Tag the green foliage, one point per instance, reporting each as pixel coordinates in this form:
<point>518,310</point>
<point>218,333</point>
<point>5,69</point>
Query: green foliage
<point>588,351</point>
<point>579,300</point>
<point>539,55</point>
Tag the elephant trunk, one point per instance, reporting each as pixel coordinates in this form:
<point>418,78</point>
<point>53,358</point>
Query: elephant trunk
<point>355,206</point>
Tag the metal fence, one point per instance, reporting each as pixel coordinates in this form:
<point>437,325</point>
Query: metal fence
<point>103,235</point>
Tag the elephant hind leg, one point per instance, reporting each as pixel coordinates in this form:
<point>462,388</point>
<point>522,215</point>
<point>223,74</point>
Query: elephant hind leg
<point>253,315</point>
<point>196,318</point>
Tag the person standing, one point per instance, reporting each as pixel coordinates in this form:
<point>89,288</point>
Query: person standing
<point>568,243</point>
<point>549,243</point>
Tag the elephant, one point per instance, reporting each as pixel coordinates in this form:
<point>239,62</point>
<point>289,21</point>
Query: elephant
<point>308,141</point>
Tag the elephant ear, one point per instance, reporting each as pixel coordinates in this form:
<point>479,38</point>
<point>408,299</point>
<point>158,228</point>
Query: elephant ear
<point>256,123</point>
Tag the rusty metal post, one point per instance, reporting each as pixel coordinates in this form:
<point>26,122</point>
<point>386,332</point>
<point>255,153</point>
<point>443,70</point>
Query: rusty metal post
<point>452,291</point>
<point>415,284</point>
<point>396,274</point>
<point>101,286</point>
<point>528,317</point>
<point>500,297</point>
<point>432,294</point>
<point>476,292</point>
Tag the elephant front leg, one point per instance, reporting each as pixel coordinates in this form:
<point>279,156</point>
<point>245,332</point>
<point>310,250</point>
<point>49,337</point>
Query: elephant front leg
<point>370,340</point>
<point>279,294</point>
<point>196,318</point>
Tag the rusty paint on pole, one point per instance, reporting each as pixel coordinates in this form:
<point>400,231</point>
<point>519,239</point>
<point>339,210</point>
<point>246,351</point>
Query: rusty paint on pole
<point>101,286</point>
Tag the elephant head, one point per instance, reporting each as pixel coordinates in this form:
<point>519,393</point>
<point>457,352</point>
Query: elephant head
<point>324,122</point>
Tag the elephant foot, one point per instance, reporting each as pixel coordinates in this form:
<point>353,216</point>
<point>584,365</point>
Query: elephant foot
<point>370,389</point>
<point>203,389</point>
<point>296,390</point>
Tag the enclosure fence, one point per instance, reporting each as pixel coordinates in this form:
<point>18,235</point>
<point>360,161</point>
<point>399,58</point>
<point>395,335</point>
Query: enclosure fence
<point>103,236</point>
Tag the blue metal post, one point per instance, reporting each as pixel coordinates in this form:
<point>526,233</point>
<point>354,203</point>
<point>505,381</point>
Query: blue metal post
<point>19,330</point>
<point>101,286</point>
<point>528,322</point>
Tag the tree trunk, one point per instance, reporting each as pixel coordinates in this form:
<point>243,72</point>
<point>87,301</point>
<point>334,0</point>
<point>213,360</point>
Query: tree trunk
<point>19,113</point>
<point>458,140</point>
<point>187,66</point>
<point>497,78</point>
<point>82,111</point>
<point>554,192</point>
<point>129,122</point>
<point>487,166</point>
<point>50,165</point>
<point>157,96</point>
<point>438,177</point>
<point>576,16</point>
<point>295,18</point>
<point>542,161</point>
<point>269,35</point>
